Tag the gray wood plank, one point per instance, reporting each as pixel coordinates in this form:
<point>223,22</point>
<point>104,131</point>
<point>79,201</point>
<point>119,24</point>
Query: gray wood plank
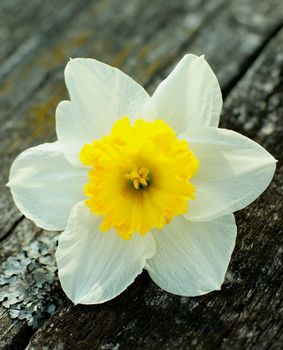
<point>30,95</point>
<point>26,26</point>
<point>36,124</point>
<point>247,313</point>
<point>33,90</point>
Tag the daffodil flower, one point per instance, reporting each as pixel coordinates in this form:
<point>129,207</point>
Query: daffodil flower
<point>138,182</point>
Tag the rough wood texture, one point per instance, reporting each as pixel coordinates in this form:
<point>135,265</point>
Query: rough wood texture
<point>247,313</point>
<point>149,39</point>
<point>36,102</point>
<point>35,87</point>
<point>23,29</point>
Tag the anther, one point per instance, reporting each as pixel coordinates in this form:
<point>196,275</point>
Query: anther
<point>139,179</point>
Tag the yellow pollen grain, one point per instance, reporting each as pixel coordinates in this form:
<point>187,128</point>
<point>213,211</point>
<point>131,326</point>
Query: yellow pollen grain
<point>138,178</point>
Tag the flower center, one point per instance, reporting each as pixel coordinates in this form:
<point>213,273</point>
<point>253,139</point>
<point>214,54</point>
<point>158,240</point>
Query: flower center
<point>139,179</point>
<point>139,176</point>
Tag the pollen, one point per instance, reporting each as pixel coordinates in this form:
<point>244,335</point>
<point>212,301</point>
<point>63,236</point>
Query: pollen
<point>139,179</point>
<point>139,176</point>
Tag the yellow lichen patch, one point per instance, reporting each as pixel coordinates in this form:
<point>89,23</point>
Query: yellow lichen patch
<point>5,86</point>
<point>42,115</point>
<point>139,176</point>
<point>144,51</point>
<point>60,52</point>
<point>121,56</point>
<point>81,39</point>
<point>153,68</point>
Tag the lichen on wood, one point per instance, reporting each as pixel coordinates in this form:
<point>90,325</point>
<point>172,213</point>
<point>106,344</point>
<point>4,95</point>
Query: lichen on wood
<point>29,283</point>
<point>149,38</point>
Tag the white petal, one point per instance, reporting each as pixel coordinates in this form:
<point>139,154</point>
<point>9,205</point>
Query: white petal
<point>45,186</point>
<point>72,131</point>
<point>233,172</point>
<point>100,94</point>
<point>93,266</point>
<point>192,257</point>
<point>190,96</point>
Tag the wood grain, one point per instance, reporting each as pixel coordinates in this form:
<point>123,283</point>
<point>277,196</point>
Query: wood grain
<point>247,313</point>
<point>149,39</point>
<point>29,97</point>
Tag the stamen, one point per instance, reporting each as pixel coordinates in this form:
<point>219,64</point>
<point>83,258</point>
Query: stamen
<point>139,179</point>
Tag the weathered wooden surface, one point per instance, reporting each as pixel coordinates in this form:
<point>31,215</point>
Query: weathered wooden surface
<point>243,42</point>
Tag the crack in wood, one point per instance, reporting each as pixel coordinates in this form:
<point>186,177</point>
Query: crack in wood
<point>12,228</point>
<point>144,294</point>
<point>249,61</point>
